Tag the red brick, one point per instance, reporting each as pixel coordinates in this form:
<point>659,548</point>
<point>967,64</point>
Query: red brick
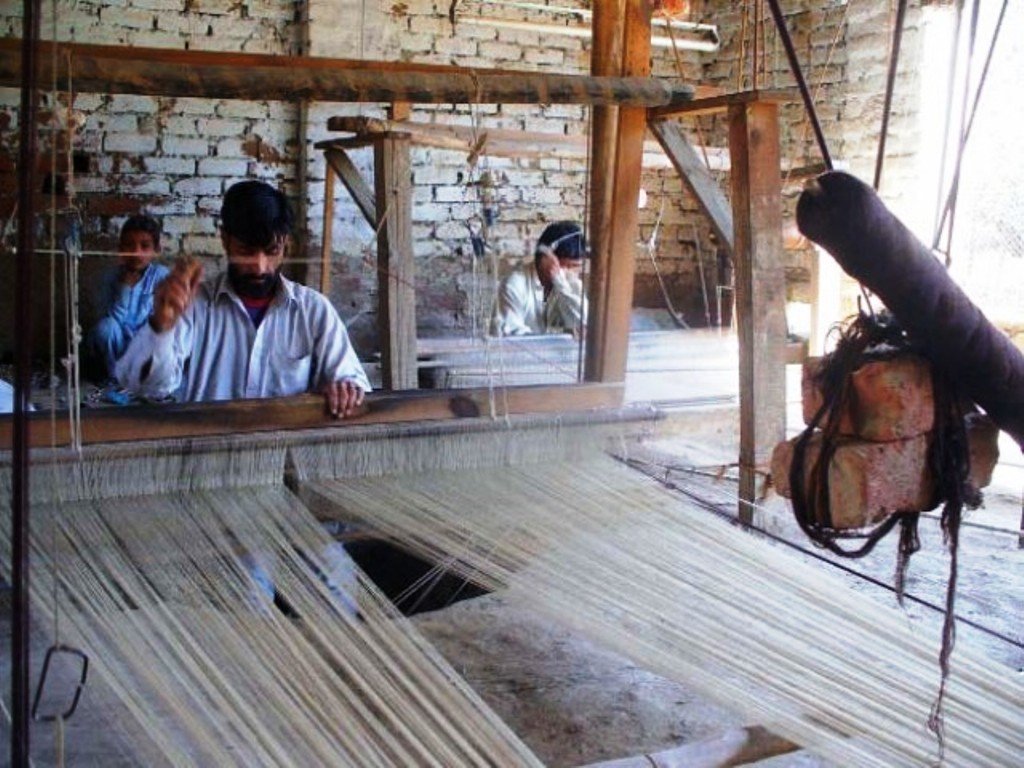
<point>889,399</point>
<point>868,480</point>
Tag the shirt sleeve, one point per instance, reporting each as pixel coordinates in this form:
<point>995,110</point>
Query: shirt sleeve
<point>510,311</point>
<point>566,306</point>
<point>154,363</point>
<point>337,359</point>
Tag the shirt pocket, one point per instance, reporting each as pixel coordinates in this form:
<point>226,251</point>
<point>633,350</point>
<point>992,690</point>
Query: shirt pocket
<point>289,371</point>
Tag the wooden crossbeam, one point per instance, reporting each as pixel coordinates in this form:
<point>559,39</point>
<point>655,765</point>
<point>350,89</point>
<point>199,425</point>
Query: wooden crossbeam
<point>210,74</point>
<point>722,102</point>
<point>130,424</point>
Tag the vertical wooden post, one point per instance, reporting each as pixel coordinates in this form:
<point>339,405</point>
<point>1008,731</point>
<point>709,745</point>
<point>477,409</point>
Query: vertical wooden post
<point>396,275</point>
<point>328,231</point>
<point>760,287</point>
<point>826,294</point>
<point>622,46</point>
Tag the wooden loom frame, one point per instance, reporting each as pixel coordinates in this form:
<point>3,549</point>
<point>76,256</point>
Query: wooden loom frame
<point>626,102</point>
<point>622,93</point>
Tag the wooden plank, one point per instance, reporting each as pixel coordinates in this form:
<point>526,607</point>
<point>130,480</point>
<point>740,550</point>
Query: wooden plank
<point>210,74</point>
<point>738,746</point>
<point>399,111</point>
<point>339,161</point>
<point>696,176</point>
<point>327,237</point>
<point>499,142</point>
<point>462,138</point>
<point>166,422</point>
<point>722,102</point>
<point>622,33</point>
<point>760,288</point>
<point>396,273</point>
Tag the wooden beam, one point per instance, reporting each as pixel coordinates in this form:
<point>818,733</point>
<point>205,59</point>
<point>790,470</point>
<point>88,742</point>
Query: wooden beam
<point>722,102</point>
<point>696,177</point>
<point>339,161</point>
<point>167,422</point>
<point>760,288</point>
<point>498,142</point>
<point>738,746</point>
<point>327,237</point>
<point>209,74</point>
<point>396,273</point>
<point>622,32</point>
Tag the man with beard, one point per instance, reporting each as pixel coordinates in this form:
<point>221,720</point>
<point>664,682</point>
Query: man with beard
<point>250,332</point>
<point>125,295</point>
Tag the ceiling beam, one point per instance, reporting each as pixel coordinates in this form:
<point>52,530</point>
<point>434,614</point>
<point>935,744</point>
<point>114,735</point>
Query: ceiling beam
<point>209,74</point>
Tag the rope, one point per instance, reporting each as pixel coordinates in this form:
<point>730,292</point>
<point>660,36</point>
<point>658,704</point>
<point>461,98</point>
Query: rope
<point>948,459</point>
<point>950,202</point>
<point>794,65</point>
<point>890,83</point>
<point>955,184</point>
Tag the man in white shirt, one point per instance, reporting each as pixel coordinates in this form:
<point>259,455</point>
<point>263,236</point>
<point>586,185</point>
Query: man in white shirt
<point>547,295</point>
<point>250,332</point>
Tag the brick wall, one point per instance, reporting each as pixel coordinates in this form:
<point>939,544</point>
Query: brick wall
<point>174,157</point>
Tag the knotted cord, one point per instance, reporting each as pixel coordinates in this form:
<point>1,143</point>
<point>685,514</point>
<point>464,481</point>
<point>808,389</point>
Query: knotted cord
<point>948,459</point>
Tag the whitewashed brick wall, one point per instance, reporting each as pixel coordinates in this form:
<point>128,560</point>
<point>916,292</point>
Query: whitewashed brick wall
<point>174,157</point>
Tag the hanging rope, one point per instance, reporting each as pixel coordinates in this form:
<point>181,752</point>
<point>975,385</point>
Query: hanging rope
<point>950,202</point>
<point>794,65</point>
<point>890,83</point>
<point>948,458</point>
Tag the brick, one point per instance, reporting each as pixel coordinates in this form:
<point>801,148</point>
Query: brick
<point>868,481</point>
<point>220,127</point>
<point>173,166</point>
<point>889,399</point>
<point>188,105</point>
<point>199,186</point>
<point>127,17</point>
<point>213,166</point>
<point>120,102</point>
<point>174,145</point>
<point>129,142</point>
<point>189,225</point>
<point>234,108</point>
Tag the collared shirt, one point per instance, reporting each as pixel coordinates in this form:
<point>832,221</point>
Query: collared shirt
<point>130,305</point>
<point>214,352</point>
<point>522,308</point>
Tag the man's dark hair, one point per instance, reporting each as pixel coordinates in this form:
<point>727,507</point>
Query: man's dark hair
<point>256,213</point>
<point>565,239</point>
<point>143,223</point>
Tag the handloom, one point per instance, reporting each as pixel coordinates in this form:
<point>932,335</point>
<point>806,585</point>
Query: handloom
<point>690,597</point>
<point>147,545</point>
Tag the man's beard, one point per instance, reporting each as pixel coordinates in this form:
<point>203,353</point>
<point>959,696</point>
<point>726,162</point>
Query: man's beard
<point>253,286</point>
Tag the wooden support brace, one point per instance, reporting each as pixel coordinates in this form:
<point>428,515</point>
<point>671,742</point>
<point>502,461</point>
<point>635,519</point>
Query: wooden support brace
<point>340,163</point>
<point>760,288</point>
<point>696,177</point>
<point>396,274</point>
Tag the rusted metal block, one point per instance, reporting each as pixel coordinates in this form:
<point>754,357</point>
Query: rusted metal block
<point>870,480</point>
<point>889,399</point>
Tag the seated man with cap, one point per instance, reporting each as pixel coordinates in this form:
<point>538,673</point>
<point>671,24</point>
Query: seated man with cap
<point>545,296</point>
